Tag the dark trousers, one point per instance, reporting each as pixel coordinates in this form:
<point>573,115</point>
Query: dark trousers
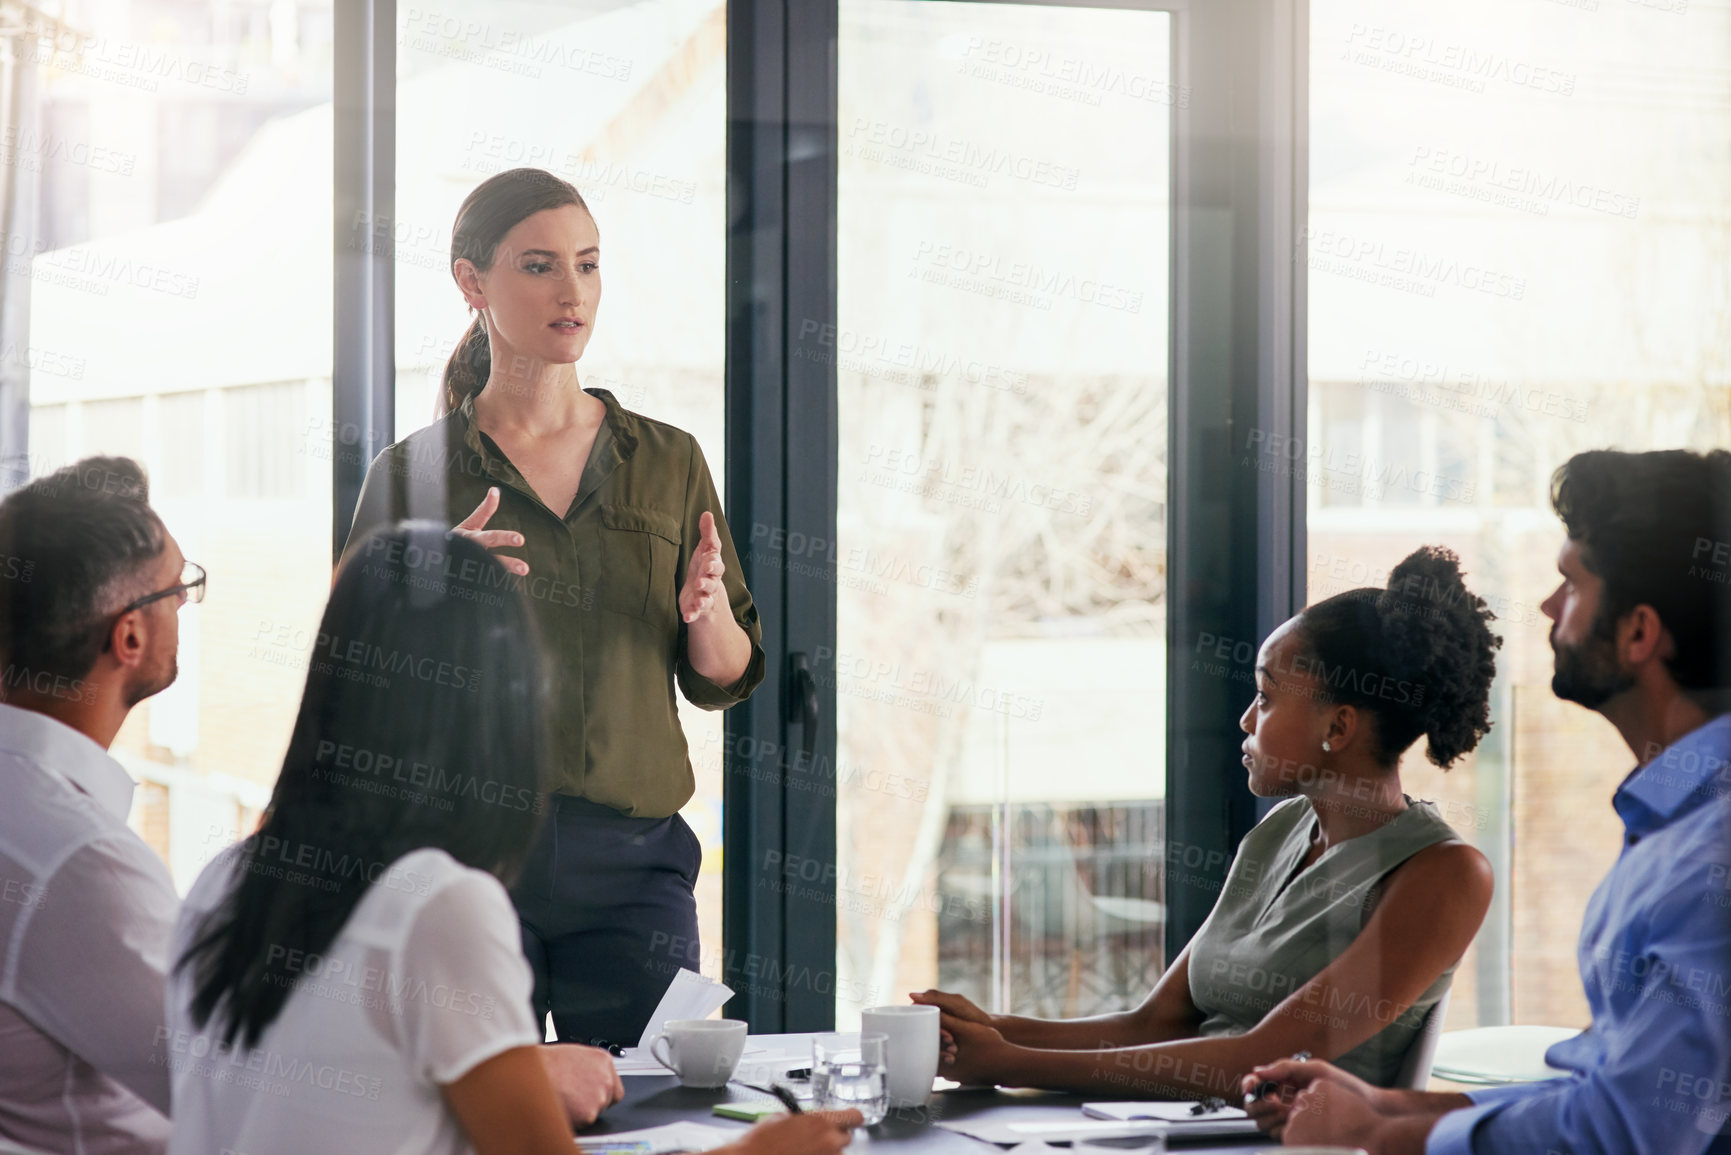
<point>609,916</point>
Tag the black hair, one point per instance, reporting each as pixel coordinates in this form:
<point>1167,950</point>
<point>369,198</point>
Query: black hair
<point>1656,528</point>
<point>495,207</point>
<point>75,546</point>
<point>1418,656</point>
<point>417,671</point>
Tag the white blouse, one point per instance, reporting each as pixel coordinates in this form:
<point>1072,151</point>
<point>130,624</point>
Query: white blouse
<point>424,982</point>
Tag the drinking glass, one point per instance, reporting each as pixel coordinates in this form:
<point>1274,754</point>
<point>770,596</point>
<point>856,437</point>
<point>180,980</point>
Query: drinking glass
<point>861,1086</point>
<point>826,1051</point>
<point>873,1047</point>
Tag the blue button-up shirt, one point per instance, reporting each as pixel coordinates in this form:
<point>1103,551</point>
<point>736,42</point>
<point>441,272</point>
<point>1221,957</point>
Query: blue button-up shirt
<point>1653,1072</point>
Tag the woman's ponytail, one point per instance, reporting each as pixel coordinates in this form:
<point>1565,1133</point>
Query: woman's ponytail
<point>1439,630</point>
<point>467,370</point>
<point>1419,655</point>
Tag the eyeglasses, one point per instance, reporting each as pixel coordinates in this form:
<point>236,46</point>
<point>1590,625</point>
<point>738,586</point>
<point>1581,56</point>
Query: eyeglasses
<point>190,588</point>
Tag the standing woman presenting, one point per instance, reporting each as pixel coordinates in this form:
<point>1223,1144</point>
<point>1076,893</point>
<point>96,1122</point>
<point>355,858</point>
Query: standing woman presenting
<point>610,523</point>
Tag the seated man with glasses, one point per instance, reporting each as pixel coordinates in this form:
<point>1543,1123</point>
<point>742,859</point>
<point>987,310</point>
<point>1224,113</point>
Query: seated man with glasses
<point>90,585</point>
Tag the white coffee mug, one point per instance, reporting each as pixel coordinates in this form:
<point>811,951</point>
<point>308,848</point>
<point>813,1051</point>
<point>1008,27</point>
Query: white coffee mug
<point>912,1051</point>
<point>702,1052</point>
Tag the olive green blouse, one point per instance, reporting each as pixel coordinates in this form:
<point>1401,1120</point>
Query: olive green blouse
<point>603,584</point>
<point>1276,927</point>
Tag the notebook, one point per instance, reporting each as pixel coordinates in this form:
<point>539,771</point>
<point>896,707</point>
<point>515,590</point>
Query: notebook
<point>1223,1123</point>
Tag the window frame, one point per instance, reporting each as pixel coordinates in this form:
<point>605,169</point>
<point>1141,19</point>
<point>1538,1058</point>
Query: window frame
<point>363,304</point>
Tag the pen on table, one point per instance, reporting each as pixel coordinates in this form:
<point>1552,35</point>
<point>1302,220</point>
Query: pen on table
<point>1268,1086</point>
<point>787,1099</point>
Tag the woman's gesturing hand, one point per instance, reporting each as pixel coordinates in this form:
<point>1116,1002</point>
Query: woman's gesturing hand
<point>474,528</point>
<point>703,592</point>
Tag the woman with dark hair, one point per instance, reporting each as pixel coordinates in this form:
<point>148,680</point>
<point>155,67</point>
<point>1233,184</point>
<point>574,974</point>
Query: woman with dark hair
<point>350,978</point>
<point>1346,909</point>
<point>613,529</point>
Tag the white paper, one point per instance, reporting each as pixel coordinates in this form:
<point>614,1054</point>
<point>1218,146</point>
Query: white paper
<point>752,1064</point>
<point>1086,1128</point>
<point>629,1064</point>
<point>689,996</point>
<point>1172,1111</point>
<point>670,1137</point>
<point>1012,1134</point>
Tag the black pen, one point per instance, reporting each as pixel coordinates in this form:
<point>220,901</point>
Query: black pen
<point>1268,1086</point>
<point>787,1099</point>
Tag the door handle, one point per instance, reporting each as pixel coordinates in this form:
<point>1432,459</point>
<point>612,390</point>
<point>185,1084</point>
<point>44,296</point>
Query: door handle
<point>803,703</point>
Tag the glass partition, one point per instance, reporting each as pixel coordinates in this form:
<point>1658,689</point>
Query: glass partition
<point>1001,351</point>
<point>180,313</point>
<point>1520,248</point>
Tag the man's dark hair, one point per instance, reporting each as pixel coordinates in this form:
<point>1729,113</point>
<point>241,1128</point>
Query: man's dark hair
<point>75,546</point>
<point>1656,528</point>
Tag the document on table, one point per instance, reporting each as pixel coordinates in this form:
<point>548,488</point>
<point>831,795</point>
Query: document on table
<point>1172,1119</point>
<point>689,996</point>
<point>1168,1110</point>
<point>1181,1114</point>
<point>1012,1134</point>
<point>659,1140</point>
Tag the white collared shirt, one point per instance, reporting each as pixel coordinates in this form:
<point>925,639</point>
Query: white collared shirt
<point>86,913</point>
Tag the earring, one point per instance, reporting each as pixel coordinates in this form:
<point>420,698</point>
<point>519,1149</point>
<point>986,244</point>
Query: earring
<point>1326,746</point>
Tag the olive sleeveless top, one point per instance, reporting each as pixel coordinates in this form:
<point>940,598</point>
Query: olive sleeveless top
<point>1274,928</point>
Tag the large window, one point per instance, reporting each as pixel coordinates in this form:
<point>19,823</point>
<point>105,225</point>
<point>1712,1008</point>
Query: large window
<point>1519,248</point>
<point>1000,356</point>
<point>186,168</point>
<point>180,311</point>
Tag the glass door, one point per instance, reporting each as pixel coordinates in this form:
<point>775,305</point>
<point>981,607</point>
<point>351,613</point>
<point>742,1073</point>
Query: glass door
<point>1001,356</point>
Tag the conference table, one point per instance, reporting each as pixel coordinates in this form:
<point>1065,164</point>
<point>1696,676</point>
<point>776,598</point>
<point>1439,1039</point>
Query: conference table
<point>654,1100</point>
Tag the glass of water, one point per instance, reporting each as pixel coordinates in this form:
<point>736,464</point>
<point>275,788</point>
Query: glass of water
<point>857,1080</point>
<point>861,1086</point>
<point>826,1051</point>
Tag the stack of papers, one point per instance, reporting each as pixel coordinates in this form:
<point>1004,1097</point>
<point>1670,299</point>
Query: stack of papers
<point>689,996</point>
<point>1010,1134</point>
<point>658,1140</point>
<point>1181,1116</point>
<point>1166,1110</point>
<point>1110,1121</point>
